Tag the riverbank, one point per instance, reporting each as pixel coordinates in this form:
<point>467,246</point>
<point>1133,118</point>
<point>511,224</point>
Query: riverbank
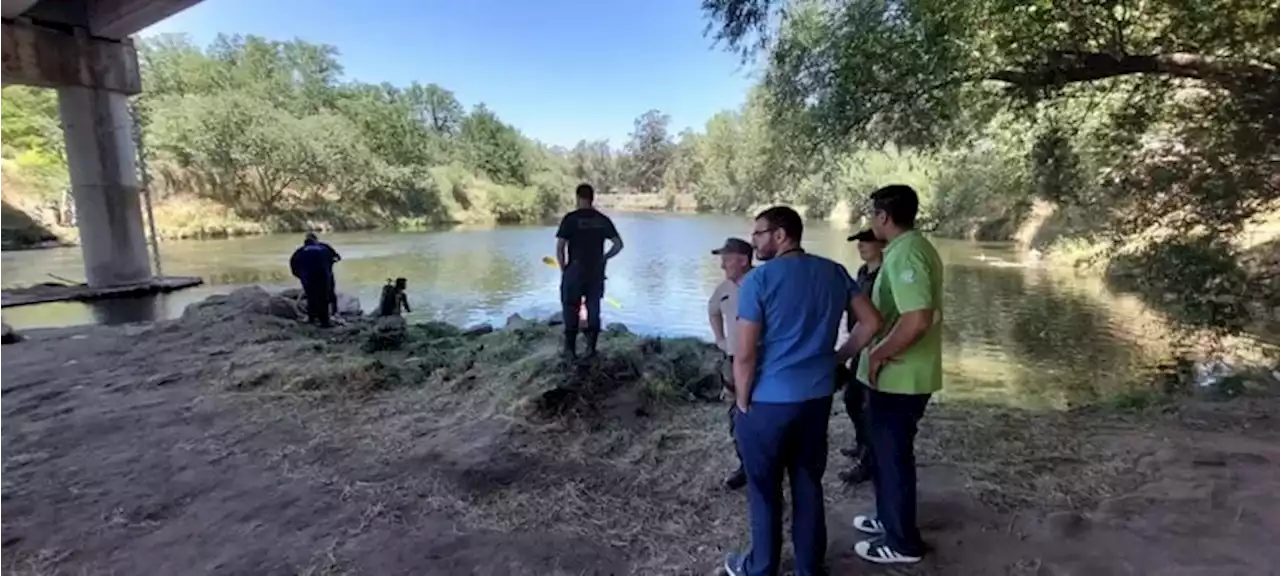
<point>1229,284</point>
<point>239,438</point>
<point>656,202</point>
<point>454,197</point>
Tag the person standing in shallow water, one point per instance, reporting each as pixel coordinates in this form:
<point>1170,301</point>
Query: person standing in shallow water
<point>581,255</point>
<point>394,299</point>
<point>902,369</point>
<point>722,312</point>
<point>871,250</point>
<point>784,372</point>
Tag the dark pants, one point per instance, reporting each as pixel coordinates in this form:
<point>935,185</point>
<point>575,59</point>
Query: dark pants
<point>726,380</point>
<point>575,285</point>
<point>317,293</point>
<point>785,438</point>
<point>892,422</point>
<point>855,405</point>
<point>333,294</point>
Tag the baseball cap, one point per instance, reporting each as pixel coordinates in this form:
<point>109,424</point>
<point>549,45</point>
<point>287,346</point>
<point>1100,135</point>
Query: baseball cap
<point>734,246</point>
<point>865,236</point>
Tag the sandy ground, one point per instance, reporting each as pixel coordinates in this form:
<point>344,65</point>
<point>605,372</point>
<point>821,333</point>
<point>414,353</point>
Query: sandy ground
<point>236,442</point>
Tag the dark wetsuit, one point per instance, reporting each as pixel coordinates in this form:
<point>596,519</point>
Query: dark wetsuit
<point>585,230</point>
<point>393,300</point>
<point>312,264</point>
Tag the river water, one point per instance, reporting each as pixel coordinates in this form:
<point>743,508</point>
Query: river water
<point>1015,333</point>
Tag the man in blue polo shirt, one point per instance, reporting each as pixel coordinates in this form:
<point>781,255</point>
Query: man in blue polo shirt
<point>784,367</point>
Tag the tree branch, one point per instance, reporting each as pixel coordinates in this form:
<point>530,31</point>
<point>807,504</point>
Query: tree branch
<point>1062,68</point>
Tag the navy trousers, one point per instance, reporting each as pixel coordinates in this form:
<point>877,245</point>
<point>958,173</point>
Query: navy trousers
<point>892,424</point>
<point>575,285</point>
<point>791,439</point>
<point>317,291</point>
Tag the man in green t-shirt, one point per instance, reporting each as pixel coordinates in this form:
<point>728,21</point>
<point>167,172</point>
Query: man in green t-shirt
<point>902,369</point>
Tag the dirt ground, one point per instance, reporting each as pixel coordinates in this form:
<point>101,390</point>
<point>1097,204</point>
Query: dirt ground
<point>237,441</point>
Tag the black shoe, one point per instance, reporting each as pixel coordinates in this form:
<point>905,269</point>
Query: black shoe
<point>856,474</point>
<point>736,480</point>
<point>592,338</point>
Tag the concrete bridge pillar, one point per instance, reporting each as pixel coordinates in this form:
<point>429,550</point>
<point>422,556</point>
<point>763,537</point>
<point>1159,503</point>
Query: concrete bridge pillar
<point>94,77</point>
<point>102,160</point>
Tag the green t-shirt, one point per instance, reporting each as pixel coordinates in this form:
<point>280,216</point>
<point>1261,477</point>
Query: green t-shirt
<point>910,279</point>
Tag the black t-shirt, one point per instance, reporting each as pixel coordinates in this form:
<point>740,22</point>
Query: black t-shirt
<point>586,229</point>
<point>866,279</point>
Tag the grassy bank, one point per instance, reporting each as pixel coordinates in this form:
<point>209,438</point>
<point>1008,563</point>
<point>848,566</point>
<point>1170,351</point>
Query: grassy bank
<point>1223,284</point>
<point>655,202</point>
<point>434,449</point>
<point>32,202</point>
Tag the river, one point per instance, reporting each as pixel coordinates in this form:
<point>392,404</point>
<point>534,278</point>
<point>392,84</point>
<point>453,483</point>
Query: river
<point>1015,332</point>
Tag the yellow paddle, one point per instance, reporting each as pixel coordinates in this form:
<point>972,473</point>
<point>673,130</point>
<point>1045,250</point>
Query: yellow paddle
<point>549,261</point>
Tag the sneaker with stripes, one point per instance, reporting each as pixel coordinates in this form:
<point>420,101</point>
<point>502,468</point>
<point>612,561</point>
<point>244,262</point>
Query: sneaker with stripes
<point>876,551</point>
<point>868,525</point>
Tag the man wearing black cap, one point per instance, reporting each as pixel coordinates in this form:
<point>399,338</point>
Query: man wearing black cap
<point>871,249</point>
<point>722,311</point>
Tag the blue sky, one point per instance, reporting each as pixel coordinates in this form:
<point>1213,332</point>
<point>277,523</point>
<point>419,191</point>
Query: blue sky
<point>559,70</point>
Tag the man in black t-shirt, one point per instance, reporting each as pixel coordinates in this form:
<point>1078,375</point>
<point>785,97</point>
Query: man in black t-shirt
<point>581,255</point>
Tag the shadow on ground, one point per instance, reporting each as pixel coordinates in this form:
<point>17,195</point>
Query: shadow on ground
<point>237,440</point>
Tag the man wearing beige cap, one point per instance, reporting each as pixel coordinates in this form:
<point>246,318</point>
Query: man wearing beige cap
<point>722,311</point>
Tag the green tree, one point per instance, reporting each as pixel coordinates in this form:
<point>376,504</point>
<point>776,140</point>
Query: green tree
<point>685,172</point>
<point>493,148</point>
<point>649,151</point>
<point>1154,123</point>
<point>595,163</point>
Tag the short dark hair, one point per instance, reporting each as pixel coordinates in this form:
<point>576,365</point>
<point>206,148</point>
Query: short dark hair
<point>585,192</point>
<point>899,201</point>
<point>785,219</point>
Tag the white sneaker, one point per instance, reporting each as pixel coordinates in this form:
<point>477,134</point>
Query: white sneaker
<point>868,525</point>
<point>875,551</point>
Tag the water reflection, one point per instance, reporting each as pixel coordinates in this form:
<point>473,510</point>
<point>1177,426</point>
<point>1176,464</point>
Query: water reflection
<point>127,310</point>
<point>1013,334</point>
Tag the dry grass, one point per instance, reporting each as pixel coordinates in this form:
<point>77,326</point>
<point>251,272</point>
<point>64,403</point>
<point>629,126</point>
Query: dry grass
<point>654,202</point>
<point>495,431</point>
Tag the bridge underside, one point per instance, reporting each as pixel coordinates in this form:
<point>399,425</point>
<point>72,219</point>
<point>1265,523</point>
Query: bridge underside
<point>110,19</point>
<point>81,48</point>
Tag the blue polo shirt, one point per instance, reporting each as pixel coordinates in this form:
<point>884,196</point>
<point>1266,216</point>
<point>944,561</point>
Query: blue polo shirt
<point>800,301</point>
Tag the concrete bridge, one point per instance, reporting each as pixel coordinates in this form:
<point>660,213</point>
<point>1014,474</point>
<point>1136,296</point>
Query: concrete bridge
<point>81,48</point>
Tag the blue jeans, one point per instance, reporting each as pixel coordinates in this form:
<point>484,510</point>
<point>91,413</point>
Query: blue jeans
<point>891,423</point>
<point>774,439</point>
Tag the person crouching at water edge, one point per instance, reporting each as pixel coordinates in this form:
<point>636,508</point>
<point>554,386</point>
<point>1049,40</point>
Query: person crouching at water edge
<point>722,311</point>
<point>784,365</point>
<point>312,264</point>
<point>581,256</point>
<point>394,299</point>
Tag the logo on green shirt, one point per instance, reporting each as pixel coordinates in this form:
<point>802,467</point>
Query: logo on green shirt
<point>910,280</point>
